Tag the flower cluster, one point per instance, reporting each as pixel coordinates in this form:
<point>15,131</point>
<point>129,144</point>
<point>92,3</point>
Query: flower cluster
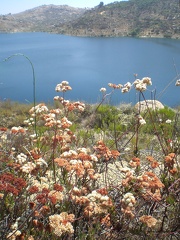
<point>95,203</point>
<point>127,205</point>
<point>61,223</point>
<point>114,86</point>
<point>148,220</point>
<point>141,85</point>
<point>170,161</point>
<point>103,152</point>
<point>126,87</point>
<point>26,165</point>
<point>103,90</point>
<point>15,232</point>
<point>141,120</point>
<point>135,162</point>
<point>11,184</point>
<point>79,163</point>
<point>177,83</point>
<point>128,176</point>
<point>29,122</point>
<point>51,119</point>
<point>21,158</point>
<point>154,163</point>
<point>70,106</point>
<point>38,109</point>
<point>16,130</point>
<point>63,87</point>
<point>98,204</point>
<point>149,185</point>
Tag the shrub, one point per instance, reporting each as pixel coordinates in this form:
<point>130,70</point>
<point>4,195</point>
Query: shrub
<point>104,181</point>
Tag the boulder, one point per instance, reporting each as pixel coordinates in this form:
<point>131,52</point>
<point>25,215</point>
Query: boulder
<point>153,104</point>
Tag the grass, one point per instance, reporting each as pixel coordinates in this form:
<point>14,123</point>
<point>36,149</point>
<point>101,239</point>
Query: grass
<point>75,171</point>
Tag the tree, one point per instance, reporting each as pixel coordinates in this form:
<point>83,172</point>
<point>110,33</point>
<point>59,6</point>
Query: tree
<point>101,4</point>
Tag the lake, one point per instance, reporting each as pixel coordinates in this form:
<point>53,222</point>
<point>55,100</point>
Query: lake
<point>87,64</point>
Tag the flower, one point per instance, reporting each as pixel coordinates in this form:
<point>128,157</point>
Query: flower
<point>170,160</point>
<point>148,220</point>
<point>21,158</point>
<point>141,120</point>
<point>147,80</point>
<point>38,109</point>
<point>135,162</point>
<point>11,184</point>
<point>15,130</point>
<point>124,90</point>
<point>28,167</point>
<point>13,235</point>
<point>63,87</point>
<point>61,223</point>
<point>168,121</point>
<point>141,85</point>
<point>126,87</point>
<point>177,83</point>
<point>58,196</point>
<point>40,162</point>
<point>112,85</point>
<point>103,90</point>
<point>103,151</point>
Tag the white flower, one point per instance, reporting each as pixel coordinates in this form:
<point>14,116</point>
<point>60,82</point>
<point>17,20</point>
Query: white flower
<point>140,87</point>
<point>177,82</point>
<point>127,149</point>
<point>125,90</point>
<point>104,198</point>
<point>168,121</point>
<point>63,87</point>
<point>147,80</point>
<point>125,169</point>
<point>28,167</point>
<point>94,158</point>
<point>137,81</point>
<point>41,162</point>
<point>74,161</point>
<point>127,85</point>
<point>128,195</point>
<point>142,121</point>
<point>21,158</point>
<point>65,83</point>
<point>83,150</point>
<point>103,90</point>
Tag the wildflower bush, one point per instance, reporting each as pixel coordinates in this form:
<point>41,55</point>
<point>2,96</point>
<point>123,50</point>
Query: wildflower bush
<point>69,173</point>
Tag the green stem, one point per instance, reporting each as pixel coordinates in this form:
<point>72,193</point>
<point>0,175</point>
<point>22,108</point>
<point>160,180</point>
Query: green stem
<point>34,83</point>
<point>156,132</point>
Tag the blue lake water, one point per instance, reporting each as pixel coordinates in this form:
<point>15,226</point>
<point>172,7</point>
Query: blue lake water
<point>87,64</point>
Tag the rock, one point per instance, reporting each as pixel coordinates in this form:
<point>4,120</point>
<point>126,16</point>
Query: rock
<point>153,104</point>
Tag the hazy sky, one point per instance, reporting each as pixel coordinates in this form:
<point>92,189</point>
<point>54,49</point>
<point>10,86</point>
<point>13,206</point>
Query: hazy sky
<point>16,6</point>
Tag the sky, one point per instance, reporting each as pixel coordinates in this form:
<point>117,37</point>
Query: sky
<point>16,6</point>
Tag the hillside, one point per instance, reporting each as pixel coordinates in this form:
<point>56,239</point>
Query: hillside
<point>148,18</point>
<point>41,19</point>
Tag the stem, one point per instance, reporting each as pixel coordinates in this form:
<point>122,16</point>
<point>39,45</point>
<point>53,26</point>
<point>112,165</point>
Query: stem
<point>103,98</point>
<point>34,83</point>
<point>156,132</point>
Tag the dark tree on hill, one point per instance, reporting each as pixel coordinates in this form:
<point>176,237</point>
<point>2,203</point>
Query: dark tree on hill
<point>101,4</point>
